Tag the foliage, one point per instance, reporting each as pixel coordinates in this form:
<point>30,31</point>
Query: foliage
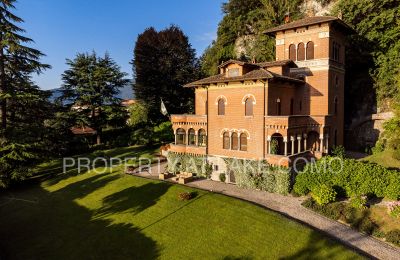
<point>164,61</point>
<point>197,165</point>
<point>274,146</point>
<point>359,202</point>
<point>331,210</point>
<point>163,133</point>
<point>259,175</point>
<point>354,178</point>
<point>394,209</point>
<point>393,237</point>
<point>91,83</point>
<point>182,196</point>
<point>222,177</point>
<point>243,24</point>
<point>338,151</point>
<point>323,194</point>
<point>138,114</point>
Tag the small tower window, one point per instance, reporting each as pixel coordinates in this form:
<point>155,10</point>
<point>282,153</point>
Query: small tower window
<point>221,107</point>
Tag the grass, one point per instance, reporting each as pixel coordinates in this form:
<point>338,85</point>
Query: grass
<point>384,158</point>
<point>111,215</point>
<point>380,215</point>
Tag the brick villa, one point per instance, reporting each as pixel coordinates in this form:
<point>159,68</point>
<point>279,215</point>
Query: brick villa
<point>277,110</point>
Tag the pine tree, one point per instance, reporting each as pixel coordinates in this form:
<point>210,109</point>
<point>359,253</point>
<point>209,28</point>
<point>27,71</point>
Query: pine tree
<point>92,83</point>
<point>17,60</point>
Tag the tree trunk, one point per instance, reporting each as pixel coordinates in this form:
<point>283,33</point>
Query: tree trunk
<point>3,101</point>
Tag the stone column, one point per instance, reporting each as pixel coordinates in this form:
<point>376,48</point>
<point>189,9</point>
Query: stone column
<point>321,143</point>
<point>299,144</point>
<point>305,141</point>
<point>292,140</point>
<point>327,144</point>
<point>269,144</point>
<point>175,137</point>
<point>285,141</point>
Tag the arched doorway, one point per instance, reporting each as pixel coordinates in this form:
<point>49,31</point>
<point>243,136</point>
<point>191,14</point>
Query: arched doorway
<point>277,145</point>
<point>313,141</point>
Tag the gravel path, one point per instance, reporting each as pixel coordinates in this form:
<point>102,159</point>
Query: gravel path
<point>291,207</point>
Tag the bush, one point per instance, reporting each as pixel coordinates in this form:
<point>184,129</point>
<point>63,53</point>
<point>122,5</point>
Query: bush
<point>332,210</point>
<point>365,225</point>
<point>393,237</point>
<point>222,177</point>
<point>339,151</point>
<point>323,194</point>
<point>185,196</point>
<point>378,233</point>
<point>353,177</point>
<point>359,202</point>
<point>255,174</point>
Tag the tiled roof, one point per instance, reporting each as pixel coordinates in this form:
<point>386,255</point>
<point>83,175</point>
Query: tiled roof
<point>274,63</point>
<point>252,75</point>
<point>308,21</point>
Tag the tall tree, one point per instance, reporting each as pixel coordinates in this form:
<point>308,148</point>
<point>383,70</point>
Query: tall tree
<point>92,84</point>
<point>17,60</point>
<point>163,62</point>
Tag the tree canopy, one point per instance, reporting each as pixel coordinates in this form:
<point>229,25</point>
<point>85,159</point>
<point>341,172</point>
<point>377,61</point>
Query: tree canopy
<point>163,62</point>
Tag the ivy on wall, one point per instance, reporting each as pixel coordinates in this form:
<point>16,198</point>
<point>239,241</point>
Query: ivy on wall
<point>260,175</point>
<point>197,165</point>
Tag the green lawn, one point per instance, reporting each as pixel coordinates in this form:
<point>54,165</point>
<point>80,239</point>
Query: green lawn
<point>114,216</point>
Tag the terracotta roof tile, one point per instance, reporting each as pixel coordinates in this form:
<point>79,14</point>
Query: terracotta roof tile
<point>256,74</point>
<point>308,21</point>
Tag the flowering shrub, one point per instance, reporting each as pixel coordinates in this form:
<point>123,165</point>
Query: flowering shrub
<point>359,202</point>
<point>394,209</point>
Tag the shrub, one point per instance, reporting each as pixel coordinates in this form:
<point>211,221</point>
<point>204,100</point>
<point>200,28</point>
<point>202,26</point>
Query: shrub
<point>352,177</point>
<point>393,237</point>
<point>332,210</point>
<point>339,151</point>
<point>378,233</point>
<point>185,196</point>
<point>359,202</point>
<point>323,194</point>
<point>394,209</point>
<point>222,177</point>
<point>365,225</point>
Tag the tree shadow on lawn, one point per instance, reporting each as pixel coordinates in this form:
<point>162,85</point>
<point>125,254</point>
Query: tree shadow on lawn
<point>133,199</point>
<point>58,228</point>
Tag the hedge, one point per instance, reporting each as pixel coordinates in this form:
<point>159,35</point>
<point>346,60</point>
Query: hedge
<point>350,178</point>
<point>259,175</point>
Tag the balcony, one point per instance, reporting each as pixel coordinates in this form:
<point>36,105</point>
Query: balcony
<point>189,120</point>
<point>286,122</point>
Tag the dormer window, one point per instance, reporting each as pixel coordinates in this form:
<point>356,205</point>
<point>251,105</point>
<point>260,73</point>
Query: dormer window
<point>233,72</point>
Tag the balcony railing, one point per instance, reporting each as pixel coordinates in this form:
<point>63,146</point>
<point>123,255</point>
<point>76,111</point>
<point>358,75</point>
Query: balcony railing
<point>188,149</point>
<point>186,119</point>
<point>294,121</point>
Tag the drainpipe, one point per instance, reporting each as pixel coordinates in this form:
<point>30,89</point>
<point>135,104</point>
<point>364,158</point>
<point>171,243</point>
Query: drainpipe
<point>207,111</point>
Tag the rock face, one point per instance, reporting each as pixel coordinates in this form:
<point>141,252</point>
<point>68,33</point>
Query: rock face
<point>318,8</point>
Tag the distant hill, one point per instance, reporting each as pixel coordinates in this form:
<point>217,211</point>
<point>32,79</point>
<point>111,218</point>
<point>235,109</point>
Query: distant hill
<point>125,93</point>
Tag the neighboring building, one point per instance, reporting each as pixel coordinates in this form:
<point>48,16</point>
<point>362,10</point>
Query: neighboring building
<point>277,110</point>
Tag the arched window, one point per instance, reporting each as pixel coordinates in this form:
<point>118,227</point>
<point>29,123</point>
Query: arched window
<point>180,136</point>
<point>221,107</point>
<point>243,142</point>
<point>226,141</point>
<point>310,50</point>
<point>301,52</point>
<point>192,137</point>
<point>235,141</point>
<point>292,52</point>
<point>248,107</point>
<point>336,105</point>
<point>202,140</point>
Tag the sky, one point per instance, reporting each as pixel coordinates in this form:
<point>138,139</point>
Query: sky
<point>63,28</point>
